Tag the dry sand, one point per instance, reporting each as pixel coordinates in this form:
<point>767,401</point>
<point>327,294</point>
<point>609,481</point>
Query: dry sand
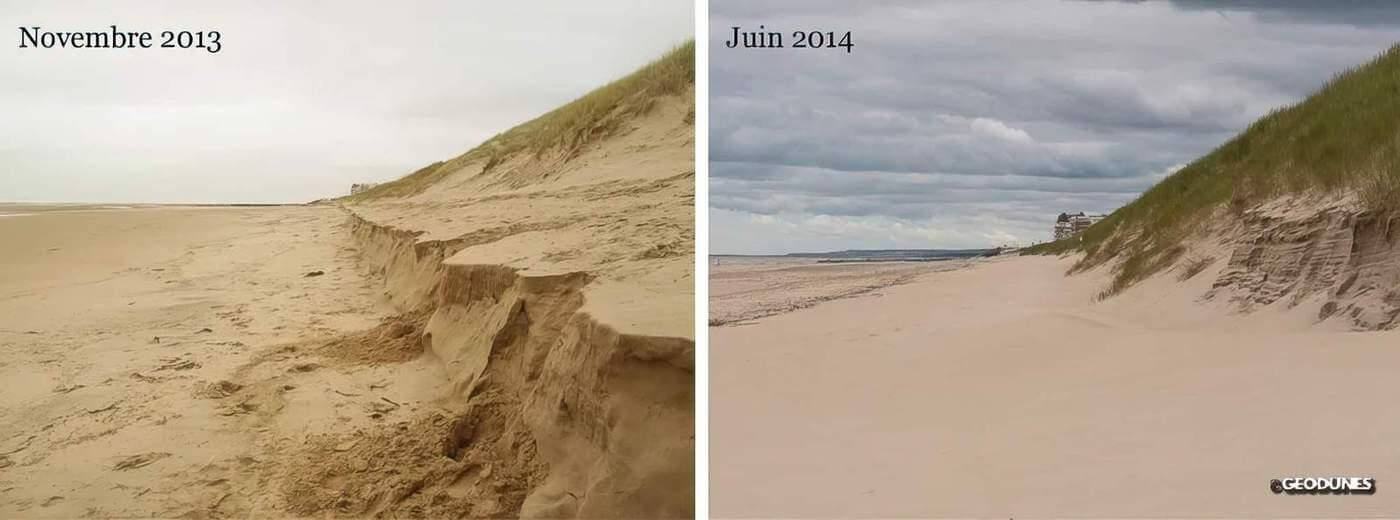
<point>1004,390</point>
<point>558,293</point>
<point>138,354</point>
<point>514,340</point>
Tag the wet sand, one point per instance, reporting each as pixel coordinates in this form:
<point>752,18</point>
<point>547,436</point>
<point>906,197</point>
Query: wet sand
<point>1004,390</point>
<point>748,288</point>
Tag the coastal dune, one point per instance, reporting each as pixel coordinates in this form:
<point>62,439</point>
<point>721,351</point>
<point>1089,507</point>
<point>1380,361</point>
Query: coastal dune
<point>553,270</point>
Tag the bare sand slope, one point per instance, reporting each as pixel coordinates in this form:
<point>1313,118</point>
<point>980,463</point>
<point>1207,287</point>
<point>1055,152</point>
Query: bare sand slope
<point>1002,391</point>
<point>174,361</point>
<point>556,291</point>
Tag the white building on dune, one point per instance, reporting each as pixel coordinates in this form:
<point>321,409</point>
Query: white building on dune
<point>1070,224</point>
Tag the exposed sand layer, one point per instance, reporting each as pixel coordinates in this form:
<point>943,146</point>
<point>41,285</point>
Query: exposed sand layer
<point>1324,255</point>
<point>558,294</point>
<point>750,288</point>
<point>1004,390</point>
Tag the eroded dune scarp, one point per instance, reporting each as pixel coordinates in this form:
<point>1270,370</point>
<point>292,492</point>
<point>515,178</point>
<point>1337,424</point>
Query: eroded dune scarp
<point>1342,257</point>
<point>548,412</point>
<point>1301,206</point>
<point>553,287</point>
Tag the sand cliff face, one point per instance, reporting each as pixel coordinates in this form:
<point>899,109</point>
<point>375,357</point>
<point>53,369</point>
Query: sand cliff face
<point>555,291</point>
<point>585,421</point>
<point>1331,254</point>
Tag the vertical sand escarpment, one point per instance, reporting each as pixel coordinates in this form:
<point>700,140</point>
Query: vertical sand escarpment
<point>1348,257</point>
<point>546,277</point>
<point>411,269</point>
<point>582,420</point>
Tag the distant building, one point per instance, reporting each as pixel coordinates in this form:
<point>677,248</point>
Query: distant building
<point>356,188</point>
<point>1070,224</point>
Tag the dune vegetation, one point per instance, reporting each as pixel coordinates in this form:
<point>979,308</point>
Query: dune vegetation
<point>593,116</point>
<point>1343,137</point>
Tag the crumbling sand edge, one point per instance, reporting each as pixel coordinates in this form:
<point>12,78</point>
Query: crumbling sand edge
<point>1327,252</point>
<point>610,414</point>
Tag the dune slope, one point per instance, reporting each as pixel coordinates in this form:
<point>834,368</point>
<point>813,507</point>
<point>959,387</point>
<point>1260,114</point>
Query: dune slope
<point>1300,206</point>
<point>552,272</point>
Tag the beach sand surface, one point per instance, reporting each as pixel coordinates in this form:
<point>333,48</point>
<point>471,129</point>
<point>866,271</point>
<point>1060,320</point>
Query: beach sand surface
<point>1006,390</point>
<point>163,361</point>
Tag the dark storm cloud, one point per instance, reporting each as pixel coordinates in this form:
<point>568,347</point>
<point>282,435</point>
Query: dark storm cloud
<point>960,124</point>
<point>1361,13</point>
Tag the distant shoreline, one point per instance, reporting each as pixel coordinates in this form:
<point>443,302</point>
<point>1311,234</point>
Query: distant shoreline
<point>26,209</point>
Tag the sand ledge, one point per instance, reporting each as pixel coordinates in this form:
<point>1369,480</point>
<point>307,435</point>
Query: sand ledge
<point>531,369</point>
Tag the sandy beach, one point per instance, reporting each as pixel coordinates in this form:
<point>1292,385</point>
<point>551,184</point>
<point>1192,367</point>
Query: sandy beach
<point>151,364</point>
<point>1006,390</point>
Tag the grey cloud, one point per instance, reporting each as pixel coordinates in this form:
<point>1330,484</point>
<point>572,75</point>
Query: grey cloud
<point>913,196</point>
<point>992,114</point>
<point>1360,13</point>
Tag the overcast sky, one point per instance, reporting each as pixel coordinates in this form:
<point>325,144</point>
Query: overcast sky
<point>973,124</point>
<point>305,97</point>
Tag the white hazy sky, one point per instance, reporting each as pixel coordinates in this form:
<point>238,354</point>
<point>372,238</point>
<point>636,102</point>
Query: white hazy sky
<point>304,99</point>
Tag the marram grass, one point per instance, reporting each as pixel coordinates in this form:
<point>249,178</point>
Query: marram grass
<point>1344,137</point>
<point>570,125</point>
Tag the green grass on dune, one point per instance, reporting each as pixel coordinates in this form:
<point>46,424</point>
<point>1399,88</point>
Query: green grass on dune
<point>579,122</point>
<point>1345,136</point>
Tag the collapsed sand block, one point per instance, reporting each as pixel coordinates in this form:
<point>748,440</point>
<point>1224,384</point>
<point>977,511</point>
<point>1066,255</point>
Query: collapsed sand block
<point>588,421</point>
